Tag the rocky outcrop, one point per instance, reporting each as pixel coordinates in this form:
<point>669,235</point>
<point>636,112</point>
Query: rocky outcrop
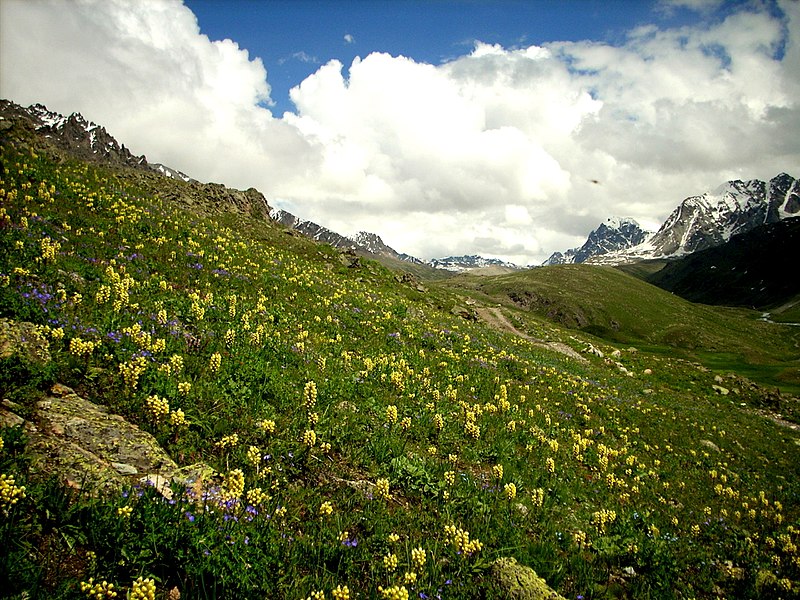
<point>509,579</point>
<point>87,446</point>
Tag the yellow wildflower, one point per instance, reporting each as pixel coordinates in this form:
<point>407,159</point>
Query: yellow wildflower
<point>393,593</point>
<point>10,493</point>
<point>143,589</point>
<point>309,438</point>
<point>511,490</point>
<point>390,561</point>
<point>382,489</point>
<point>98,591</point>
<point>309,395</point>
<point>418,557</point>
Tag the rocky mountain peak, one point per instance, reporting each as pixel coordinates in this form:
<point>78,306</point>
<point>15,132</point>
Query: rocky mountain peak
<point>371,242</point>
<point>697,223</point>
<point>615,233</point>
<point>82,138</point>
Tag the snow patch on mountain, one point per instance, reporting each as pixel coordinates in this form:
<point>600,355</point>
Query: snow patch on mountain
<point>170,172</point>
<point>460,264</point>
<point>85,138</point>
<point>712,218</point>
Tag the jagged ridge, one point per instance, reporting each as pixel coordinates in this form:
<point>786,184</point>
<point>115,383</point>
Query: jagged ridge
<point>615,234</point>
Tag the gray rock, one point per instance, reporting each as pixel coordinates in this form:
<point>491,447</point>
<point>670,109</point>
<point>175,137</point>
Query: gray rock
<point>125,469</point>
<point>86,446</point>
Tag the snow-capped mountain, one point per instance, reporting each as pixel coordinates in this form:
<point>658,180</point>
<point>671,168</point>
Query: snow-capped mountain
<point>711,219</point>
<point>699,222</point>
<point>459,264</point>
<point>82,138</point>
<point>614,234</point>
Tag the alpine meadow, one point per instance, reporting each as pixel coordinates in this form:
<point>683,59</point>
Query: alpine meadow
<point>198,402</point>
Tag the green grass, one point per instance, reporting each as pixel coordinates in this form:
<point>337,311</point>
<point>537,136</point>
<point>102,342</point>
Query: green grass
<point>643,486</point>
<point>622,309</point>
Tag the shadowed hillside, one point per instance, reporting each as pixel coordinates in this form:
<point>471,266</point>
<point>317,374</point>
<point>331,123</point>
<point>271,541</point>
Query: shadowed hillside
<point>754,270</point>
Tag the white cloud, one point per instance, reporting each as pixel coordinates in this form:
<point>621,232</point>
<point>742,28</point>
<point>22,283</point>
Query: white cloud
<point>696,5</point>
<point>510,153</point>
<point>348,38</point>
<point>301,56</point>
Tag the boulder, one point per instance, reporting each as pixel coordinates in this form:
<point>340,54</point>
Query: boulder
<point>86,446</point>
<point>509,579</point>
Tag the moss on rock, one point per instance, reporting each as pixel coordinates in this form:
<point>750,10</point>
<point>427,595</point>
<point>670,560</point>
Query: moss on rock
<point>513,581</point>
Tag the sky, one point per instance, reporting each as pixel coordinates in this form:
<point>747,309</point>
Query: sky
<point>508,129</point>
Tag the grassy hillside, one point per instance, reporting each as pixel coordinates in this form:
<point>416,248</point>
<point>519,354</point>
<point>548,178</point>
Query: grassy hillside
<point>367,443</point>
<point>622,309</point>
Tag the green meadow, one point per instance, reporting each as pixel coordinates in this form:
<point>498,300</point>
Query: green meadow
<point>361,440</point>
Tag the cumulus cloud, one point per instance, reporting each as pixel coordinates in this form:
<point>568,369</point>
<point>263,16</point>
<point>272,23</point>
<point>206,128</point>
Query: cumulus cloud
<point>144,70</point>
<point>498,151</point>
<point>348,38</point>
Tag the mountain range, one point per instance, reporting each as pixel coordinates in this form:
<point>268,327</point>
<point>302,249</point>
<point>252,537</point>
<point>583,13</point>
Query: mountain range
<point>372,245</point>
<point>698,223</point>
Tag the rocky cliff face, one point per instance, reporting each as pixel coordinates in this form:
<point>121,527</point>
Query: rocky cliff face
<point>83,139</point>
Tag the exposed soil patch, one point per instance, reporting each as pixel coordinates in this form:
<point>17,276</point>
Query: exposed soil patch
<point>497,320</point>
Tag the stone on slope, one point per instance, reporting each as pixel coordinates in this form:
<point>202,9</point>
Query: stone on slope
<point>86,446</point>
<point>509,579</point>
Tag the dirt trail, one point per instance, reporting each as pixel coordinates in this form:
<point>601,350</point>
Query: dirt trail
<point>497,320</point>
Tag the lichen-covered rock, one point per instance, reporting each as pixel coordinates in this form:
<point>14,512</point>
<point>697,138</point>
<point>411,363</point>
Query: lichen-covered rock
<point>513,581</point>
<point>23,339</point>
<point>86,446</point>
